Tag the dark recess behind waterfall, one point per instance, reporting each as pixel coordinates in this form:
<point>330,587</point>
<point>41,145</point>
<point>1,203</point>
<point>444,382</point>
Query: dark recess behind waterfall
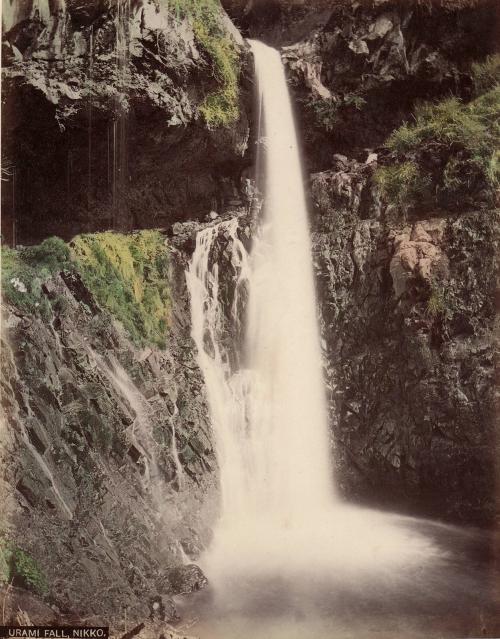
<point>66,181</point>
<point>104,167</point>
<point>101,170</point>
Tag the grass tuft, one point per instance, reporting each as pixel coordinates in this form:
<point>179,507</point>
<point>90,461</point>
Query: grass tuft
<point>221,107</point>
<point>25,270</point>
<point>436,304</point>
<point>450,152</point>
<point>401,182</point>
<point>486,74</point>
<point>128,275</point>
<point>328,112</point>
<point>19,567</point>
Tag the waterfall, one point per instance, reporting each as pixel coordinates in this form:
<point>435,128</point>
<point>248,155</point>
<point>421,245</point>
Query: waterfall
<point>289,406</point>
<point>270,415</point>
<point>255,325</point>
<point>226,387</point>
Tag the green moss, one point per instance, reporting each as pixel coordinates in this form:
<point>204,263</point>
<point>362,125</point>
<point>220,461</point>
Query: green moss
<point>220,108</point>
<point>19,567</point>
<point>453,151</point>
<point>128,275</point>
<point>401,182</point>
<point>326,113</point>
<point>25,270</point>
<point>486,75</point>
<point>436,304</point>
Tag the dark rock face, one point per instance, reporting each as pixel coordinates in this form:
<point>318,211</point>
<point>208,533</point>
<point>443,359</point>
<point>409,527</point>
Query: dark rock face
<point>186,579</point>
<point>101,123</point>
<point>358,74</point>
<point>408,313</point>
<point>107,458</point>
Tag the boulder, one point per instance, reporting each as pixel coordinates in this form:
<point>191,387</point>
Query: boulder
<point>186,579</point>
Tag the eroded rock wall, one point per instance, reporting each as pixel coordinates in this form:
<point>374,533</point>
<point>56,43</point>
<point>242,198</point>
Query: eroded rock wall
<point>409,325</point>
<point>108,469</point>
<point>101,119</point>
<point>359,72</point>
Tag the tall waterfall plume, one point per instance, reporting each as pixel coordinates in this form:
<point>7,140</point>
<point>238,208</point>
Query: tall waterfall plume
<point>255,325</point>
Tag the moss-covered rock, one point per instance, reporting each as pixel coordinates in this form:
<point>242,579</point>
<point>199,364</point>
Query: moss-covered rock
<point>221,106</point>
<point>128,275</point>
<point>18,567</point>
<point>448,156</point>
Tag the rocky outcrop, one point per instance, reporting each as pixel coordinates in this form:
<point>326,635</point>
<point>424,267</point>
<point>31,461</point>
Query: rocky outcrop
<point>108,468</point>
<point>102,123</point>
<point>359,72</point>
<point>22,608</point>
<point>419,254</point>
<point>408,312</point>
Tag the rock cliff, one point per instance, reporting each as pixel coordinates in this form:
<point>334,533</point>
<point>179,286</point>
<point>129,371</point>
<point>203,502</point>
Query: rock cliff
<point>409,325</point>
<point>110,110</point>
<point>128,115</point>
<point>109,473</point>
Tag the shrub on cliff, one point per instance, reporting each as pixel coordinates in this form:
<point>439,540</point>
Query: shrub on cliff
<point>128,275</point>
<point>25,270</point>
<point>19,568</point>
<point>453,149</point>
<point>402,182</point>
<point>486,74</point>
<point>221,107</point>
<point>329,114</point>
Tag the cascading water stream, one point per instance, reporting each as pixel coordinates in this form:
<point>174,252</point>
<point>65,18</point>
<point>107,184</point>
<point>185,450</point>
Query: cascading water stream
<point>280,515</point>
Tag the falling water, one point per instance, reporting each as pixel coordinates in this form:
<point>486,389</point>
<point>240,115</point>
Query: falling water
<point>279,513</point>
<point>120,123</point>
<point>287,405</point>
<point>140,433</point>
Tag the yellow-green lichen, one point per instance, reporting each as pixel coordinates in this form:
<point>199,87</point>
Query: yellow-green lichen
<point>128,275</point>
<point>220,107</point>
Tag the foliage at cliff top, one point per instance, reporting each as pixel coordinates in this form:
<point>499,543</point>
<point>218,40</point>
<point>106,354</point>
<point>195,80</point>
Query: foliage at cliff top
<point>220,108</point>
<point>25,270</point>
<point>486,75</point>
<point>450,154</point>
<point>19,568</point>
<point>127,275</point>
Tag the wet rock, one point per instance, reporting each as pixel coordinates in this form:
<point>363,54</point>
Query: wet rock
<point>82,473</point>
<point>380,27</point>
<point>406,309</point>
<point>95,105</point>
<point>163,609</point>
<point>186,579</point>
<point>359,47</point>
